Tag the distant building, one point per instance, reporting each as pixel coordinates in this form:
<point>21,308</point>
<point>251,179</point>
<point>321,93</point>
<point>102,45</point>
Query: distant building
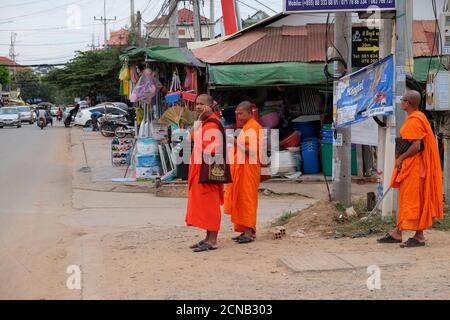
<point>119,37</point>
<point>10,66</point>
<point>157,31</point>
<point>258,16</point>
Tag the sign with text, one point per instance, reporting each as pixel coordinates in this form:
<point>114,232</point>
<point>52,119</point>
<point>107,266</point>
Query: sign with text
<point>336,5</point>
<point>365,46</point>
<point>364,94</point>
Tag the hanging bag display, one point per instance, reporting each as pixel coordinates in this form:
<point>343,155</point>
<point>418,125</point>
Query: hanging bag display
<point>216,173</point>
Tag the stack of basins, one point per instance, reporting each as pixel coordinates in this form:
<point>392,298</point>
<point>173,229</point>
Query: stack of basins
<point>309,128</point>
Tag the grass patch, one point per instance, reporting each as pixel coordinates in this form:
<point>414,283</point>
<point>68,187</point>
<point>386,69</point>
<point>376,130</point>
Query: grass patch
<point>444,225</point>
<point>284,219</point>
<point>356,228</point>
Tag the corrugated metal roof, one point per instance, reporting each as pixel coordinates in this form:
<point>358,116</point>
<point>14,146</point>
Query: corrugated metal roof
<point>295,44</point>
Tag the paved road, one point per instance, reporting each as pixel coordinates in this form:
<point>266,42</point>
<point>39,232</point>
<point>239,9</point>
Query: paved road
<point>35,188</point>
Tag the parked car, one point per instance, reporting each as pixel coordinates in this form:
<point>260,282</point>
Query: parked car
<point>26,115</point>
<point>120,105</point>
<point>83,117</point>
<point>53,111</point>
<point>10,116</point>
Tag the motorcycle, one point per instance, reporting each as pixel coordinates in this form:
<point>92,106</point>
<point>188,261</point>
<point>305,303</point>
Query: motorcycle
<point>59,117</point>
<point>123,129</point>
<point>110,127</point>
<point>41,123</point>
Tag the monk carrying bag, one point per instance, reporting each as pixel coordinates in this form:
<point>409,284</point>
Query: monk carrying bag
<point>216,173</point>
<point>402,145</point>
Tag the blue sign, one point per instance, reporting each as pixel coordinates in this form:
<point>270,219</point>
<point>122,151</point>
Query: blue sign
<point>366,93</point>
<point>337,5</point>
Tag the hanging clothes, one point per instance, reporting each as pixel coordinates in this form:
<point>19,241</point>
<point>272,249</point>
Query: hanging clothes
<point>124,77</point>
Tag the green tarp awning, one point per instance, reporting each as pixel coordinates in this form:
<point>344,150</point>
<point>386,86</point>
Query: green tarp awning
<point>164,54</point>
<point>266,74</point>
<point>289,73</point>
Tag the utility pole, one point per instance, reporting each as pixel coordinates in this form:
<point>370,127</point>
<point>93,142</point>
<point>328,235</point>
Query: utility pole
<point>197,22</point>
<point>173,24</point>
<point>138,28</point>
<point>105,21</point>
<point>386,146</point>
<point>342,178</point>
<point>445,120</point>
<point>238,15</point>
<point>133,21</point>
<point>13,55</point>
<point>211,19</point>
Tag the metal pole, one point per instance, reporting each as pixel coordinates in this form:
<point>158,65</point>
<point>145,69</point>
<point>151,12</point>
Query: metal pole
<point>197,22</point>
<point>385,145</point>
<point>173,22</point>
<point>211,19</point>
<point>133,20</point>
<point>445,120</point>
<point>104,21</point>
<point>342,154</point>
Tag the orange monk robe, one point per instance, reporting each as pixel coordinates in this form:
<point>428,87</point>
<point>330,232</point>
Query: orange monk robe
<point>204,200</point>
<point>420,199</point>
<point>241,196</point>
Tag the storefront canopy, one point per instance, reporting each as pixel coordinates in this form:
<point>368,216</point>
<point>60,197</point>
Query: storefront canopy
<point>164,54</point>
<point>293,73</point>
<point>289,73</point>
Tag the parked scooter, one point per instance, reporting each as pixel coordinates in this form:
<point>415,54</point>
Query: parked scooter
<point>123,129</point>
<point>110,127</point>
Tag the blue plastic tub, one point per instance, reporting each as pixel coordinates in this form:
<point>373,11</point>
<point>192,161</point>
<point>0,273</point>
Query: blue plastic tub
<point>309,129</point>
<point>310,159</point>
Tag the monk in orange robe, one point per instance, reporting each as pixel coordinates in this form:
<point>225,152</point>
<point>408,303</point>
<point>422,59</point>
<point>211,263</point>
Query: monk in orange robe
<point>204,200</point>
<point>241,196</point>
<point>418,176</point>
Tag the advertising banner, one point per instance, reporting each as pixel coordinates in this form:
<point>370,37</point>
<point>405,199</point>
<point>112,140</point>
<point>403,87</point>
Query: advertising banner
<point>366,93</point>
<point>336,5</point>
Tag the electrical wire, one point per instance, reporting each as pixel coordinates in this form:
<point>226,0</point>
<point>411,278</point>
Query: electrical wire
<point>42,11</point>
<point>265,6</point>
<point>44,44</point>
<point>328,61</point>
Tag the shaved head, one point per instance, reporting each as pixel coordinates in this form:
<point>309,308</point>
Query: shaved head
<point>207,98</point>
<point>413,97</point>
<point>245,105</point>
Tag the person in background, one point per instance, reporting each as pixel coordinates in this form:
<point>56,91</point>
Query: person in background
<point>241,196</point>
<point>418,176</point>
<point>204,200</point>
<point>94,119</point>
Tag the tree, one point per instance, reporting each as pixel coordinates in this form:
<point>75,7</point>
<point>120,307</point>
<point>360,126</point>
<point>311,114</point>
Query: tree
<point>91,71</point>
<point>4,76</point>
<point>33,86</point>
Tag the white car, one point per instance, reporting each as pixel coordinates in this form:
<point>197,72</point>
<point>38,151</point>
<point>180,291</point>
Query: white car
<point>26,115</point>
<point>83,117</point>
<point>9,116</point>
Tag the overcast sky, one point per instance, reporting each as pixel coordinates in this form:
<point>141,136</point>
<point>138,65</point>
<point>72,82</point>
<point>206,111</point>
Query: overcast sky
<point>48,31</point>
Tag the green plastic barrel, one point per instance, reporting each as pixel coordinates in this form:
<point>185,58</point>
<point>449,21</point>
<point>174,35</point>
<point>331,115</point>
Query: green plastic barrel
<point>327,159</point>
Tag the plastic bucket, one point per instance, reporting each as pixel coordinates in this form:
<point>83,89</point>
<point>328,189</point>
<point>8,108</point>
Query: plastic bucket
<point>309,129</point>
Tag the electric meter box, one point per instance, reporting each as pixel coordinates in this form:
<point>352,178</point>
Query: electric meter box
<point>445,32</point>
<point>438,91</point>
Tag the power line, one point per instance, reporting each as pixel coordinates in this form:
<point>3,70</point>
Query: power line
<point>22,4</point>
<point>265,6</point>
<point>42,11</point>
<point>44,44</point>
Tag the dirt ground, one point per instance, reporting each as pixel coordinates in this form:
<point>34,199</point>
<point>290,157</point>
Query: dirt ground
<point>153,262</point>
<point>135,246</point>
